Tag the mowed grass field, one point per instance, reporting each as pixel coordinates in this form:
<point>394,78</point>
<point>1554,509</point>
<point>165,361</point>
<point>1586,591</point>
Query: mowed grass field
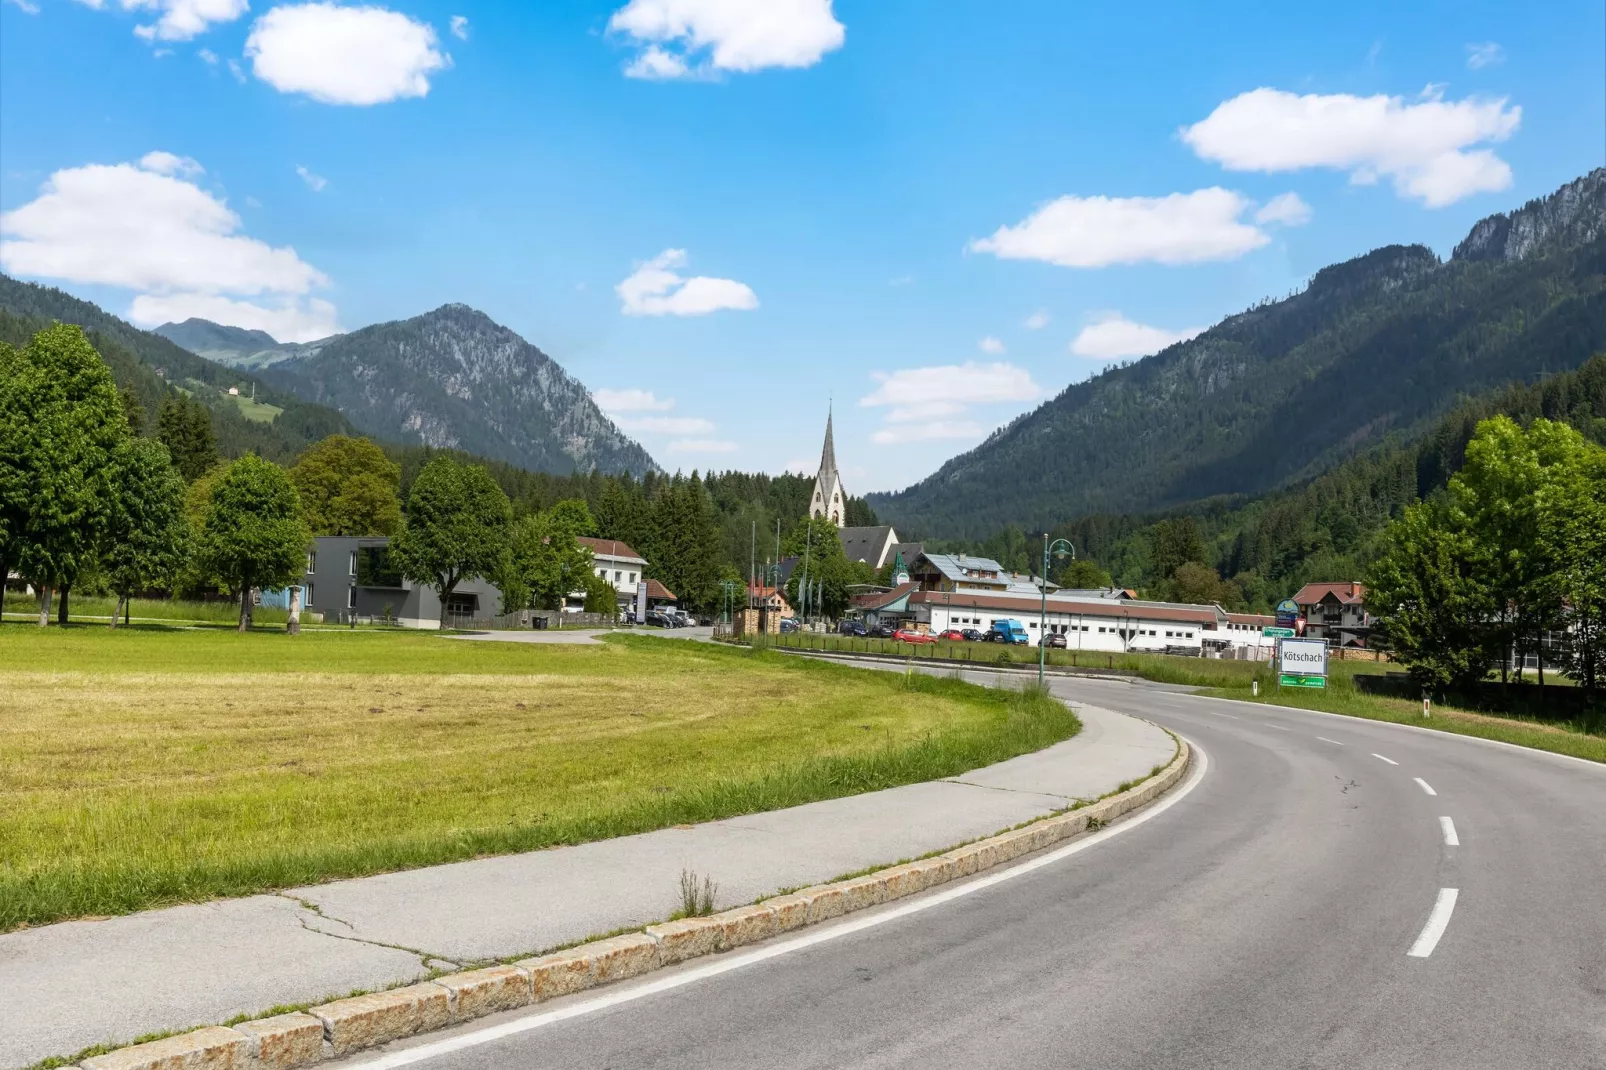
<point>152,766</point>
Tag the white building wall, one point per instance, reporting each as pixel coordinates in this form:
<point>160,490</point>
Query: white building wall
<point>1082,631</point>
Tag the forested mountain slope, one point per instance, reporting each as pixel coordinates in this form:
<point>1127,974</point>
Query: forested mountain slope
<point>152,368</point>
<point>233,346</point>
<point>453,379</point>
<point>1381,344</point>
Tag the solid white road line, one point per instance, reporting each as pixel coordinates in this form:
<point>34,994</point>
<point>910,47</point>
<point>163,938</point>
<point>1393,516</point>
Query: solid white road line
<point>1391,761</point>
<point>1450,838</point>
<point>1424,785</point>
<point>1334,742</point>
<point>726,963</point>
<point>1438,921</point>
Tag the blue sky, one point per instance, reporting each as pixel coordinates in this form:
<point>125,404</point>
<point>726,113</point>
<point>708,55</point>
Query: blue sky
<point>722,215</point>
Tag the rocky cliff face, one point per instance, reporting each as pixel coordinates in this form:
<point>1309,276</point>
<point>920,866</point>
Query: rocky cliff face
<point>454,378</point>
<point>1574,215</point>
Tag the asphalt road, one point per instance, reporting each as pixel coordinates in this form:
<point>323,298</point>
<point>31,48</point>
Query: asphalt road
<point>1267,919</point>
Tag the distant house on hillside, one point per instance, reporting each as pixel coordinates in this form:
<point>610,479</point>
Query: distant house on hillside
<point>1335,612</point>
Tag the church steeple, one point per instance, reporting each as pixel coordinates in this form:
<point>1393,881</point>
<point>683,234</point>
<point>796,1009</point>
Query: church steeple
<point>829,499</point>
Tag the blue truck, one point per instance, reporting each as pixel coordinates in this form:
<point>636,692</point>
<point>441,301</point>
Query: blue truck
<point>1007,631</point>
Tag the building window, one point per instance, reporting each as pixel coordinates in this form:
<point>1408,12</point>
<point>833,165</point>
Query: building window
<point>354,562</point>
<point>309,594</point>
<point>312,562</point>
<point>351,598</point>
<point>616,575</point>
<point>632,577</point>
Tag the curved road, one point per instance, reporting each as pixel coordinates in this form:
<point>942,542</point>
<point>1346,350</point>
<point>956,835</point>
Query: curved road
<point>1282,914</point>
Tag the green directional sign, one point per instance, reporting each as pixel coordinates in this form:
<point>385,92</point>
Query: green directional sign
<point>1296,680</point>
<point>1277,633</point>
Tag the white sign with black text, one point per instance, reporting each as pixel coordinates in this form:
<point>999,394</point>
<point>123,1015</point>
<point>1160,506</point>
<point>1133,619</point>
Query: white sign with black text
<point>1302,657</point>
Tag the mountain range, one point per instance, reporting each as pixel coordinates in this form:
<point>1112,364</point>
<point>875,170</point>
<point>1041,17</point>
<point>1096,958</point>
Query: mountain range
<point>1374,348</point>
<point>452,378</point>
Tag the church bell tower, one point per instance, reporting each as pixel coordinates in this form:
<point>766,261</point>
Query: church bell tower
<point>829,500</point>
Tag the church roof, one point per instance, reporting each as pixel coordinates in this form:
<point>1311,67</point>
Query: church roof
<point>867,544</point>
<point>827,456</point>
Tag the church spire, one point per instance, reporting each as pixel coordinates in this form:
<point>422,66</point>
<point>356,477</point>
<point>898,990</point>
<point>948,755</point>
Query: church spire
<point>829,499</point>
<point>828,454</point>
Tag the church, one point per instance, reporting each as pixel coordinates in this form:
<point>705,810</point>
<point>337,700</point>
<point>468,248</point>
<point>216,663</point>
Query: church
<point>875,545</point>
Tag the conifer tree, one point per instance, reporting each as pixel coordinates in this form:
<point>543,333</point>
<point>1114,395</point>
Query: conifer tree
<point>184,426</point>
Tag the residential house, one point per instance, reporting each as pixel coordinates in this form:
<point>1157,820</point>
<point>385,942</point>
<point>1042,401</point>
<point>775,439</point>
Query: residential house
<point>1335,612</point>
<point>620,565</point>
<point>351,578</point>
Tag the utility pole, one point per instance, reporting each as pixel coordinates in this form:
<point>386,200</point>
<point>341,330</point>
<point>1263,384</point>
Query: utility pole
<point>1042,618</point>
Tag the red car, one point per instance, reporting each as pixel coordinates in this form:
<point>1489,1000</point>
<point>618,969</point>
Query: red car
<point>904,635</point>
<point>953,635</point>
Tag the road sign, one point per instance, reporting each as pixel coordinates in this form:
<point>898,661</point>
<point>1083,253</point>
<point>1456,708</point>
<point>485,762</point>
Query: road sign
<point>1302,662</point>
<point>1277,633</point>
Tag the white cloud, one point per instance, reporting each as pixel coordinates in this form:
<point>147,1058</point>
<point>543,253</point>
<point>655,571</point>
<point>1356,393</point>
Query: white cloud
<point>1288,209</point>
<point>666,425</point>
<point>682,38</point>
<point>460,27</point>
<point>630,400</point>
<point>316,182</point>
<point>180,20</point>
<point>288,319</point>
<point>207,56</point>
<point>236,70</point>
<point>1424,146</point>
<point>26,5</point>
<point>166,163</point>
<point>1112,336</point>
<point>344,55</point>
<point>922,403</point>
<point>925,432</point>
<point>1486,54</point>
<point>654,289</point>
<point>991,345</point>
<point>702,445</point>
<point>146,228</point>
<point>1090,232</point>
<point>122,225</point>
<point>1037,320</point>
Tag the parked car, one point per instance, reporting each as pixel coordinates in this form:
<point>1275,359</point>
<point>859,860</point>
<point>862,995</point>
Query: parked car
<point>1054,640</point>
<point>953,635</point>
<point>909,635</point>
<point>657,618</point>
<point>973,636</point>
<point>790,625</point>
<point>883,631</point>
<point>852,627</point>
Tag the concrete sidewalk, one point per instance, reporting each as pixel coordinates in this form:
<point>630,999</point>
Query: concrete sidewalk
<point>64,987</point>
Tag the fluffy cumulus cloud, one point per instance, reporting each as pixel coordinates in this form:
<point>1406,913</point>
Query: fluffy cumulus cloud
<point>1112,336</point>
<point>1037,320</point>
<point>666,425</point>
<point>931,403</point>
<point>694,38</point>
<point>655,288</point>
<point>176,20</point>
<point>1092,232</point>
<point>1285,209</point>
<point>991,345</point>
<point>460,27</point>
<point>1427,147</point>
<point>150,228</point>
<point>344,55</point>
<point>626,409</point>
<point>288,319</point>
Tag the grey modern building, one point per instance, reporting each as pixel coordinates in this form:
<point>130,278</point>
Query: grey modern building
<point>350,578</point>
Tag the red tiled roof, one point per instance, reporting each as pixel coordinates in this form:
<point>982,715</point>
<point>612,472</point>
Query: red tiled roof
<point>1262,619</point>
<point>1028,605</point>
<point>611,547</point>
<point>1347,594</point>
<point>659,591</point>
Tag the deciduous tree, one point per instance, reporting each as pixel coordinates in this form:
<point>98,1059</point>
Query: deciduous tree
<point>348,487</point>
<point>147,539</point>
<point>254,535</point>
<point>456,527</point>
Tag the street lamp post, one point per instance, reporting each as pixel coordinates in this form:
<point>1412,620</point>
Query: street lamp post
<point>1042,613</point>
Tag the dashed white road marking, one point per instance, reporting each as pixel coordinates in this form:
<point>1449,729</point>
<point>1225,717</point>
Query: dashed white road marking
<point>1438,921</point>
<point>1425,786</point>
<point>726,963</point>
<point>1450,838</point>
<point>1334,742</point>
<point>1391,761</point>
<point>1280,727</point>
